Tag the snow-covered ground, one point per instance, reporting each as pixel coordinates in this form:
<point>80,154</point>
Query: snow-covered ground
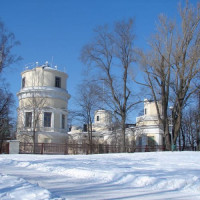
<point>159,175</point>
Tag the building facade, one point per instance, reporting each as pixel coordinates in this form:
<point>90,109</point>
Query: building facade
<point>148,128</point>
<point>43,101</point>
<point>146,132</point>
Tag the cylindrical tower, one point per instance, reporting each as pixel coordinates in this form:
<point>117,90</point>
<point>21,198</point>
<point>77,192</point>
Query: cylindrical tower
<point>102,120</point>
<point>43,101</point>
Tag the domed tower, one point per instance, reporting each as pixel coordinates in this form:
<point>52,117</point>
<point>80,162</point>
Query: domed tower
<point>43,101</point>
<point>102,120</point>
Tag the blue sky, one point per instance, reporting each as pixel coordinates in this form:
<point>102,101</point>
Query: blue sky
<point>60,28</point>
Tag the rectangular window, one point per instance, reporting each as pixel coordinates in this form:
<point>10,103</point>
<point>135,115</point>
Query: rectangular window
<point>23,82</point>
<point>47,119</point>
<point>63,121</point>
<point>58,82</point>
<point>97,118</point>
<point>145,111</point>
<point>28,119</point>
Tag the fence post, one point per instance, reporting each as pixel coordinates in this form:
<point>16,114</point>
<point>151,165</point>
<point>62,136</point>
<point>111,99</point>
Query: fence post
<point>7,148</point>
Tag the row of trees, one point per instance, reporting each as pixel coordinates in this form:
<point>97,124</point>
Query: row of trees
<point>170,67</point>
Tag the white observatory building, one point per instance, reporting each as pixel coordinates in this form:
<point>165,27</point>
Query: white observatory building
<point>43,101</point>
<point>102,120</point>
<point>148,127</point>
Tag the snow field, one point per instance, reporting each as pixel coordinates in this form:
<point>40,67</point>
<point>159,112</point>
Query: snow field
<point>160,173</point>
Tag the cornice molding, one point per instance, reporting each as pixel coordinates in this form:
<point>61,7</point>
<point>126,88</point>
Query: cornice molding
<point>49,92</point>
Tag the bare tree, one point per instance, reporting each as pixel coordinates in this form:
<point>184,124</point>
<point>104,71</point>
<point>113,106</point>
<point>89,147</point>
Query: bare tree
<point>112,53</point>
<point>157,69</point>
<point>172,65</point>
<point>88,102</point>
<point>6,105</point>
<point>30,111</point>
<point>7,43</point>
<point>186,64</point>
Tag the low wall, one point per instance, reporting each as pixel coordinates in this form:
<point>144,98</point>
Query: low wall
<point>13,146</point>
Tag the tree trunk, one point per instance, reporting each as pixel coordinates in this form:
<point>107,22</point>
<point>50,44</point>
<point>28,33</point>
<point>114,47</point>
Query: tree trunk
<point>168,141</point>
<point>123,126</point>
<point>198,125</point>
<point>176,128</point>
<point>179,142</point>
<point>90,137</point>
<point>183,141</point>
<point>123,137</point>
<point>34,141</point>
<point>91,146</point>
<point>167,138</point>
<point>167,135</point>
